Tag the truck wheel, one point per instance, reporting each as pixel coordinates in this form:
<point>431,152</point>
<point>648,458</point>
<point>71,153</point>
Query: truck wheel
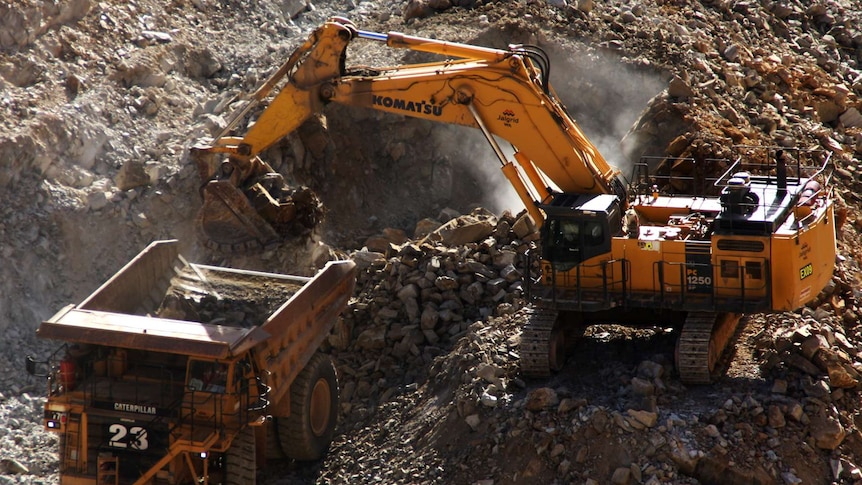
<point>306,433</point>
<point>239,463</point>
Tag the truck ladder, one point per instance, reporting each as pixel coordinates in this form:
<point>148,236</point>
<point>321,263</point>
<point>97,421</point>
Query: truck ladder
<point>72,442</point>
<point>108,472</point>
<point>177,447</point>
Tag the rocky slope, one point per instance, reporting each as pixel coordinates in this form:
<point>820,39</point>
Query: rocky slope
<point>100,102</point>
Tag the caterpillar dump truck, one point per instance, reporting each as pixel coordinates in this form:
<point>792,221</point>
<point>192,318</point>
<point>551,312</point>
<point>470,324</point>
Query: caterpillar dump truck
<point>173,372</point>
<point>670,246</point>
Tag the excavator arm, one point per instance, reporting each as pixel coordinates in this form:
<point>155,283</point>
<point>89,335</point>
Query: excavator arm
<point>503,93</point>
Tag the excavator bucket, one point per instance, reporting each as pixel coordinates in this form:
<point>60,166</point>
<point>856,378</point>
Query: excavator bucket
<point>227,217</point>
<point>231,218</point>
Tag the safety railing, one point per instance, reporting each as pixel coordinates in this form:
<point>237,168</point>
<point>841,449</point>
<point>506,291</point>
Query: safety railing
<point>806,174</point>
<point>203,412</point>
<point>608,284</point>
<point>672,287</point>
<point>659,174</point>
<point>48,368</point>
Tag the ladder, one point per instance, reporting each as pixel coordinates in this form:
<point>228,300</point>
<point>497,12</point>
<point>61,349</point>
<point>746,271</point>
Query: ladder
<point>108,470</point>
<point>72,457</point>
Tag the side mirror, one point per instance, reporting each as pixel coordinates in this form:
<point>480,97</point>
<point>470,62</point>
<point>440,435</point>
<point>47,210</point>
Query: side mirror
<point>33,367</point>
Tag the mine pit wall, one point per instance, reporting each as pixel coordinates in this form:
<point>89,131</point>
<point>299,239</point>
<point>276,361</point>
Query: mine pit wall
<point>23,23</point>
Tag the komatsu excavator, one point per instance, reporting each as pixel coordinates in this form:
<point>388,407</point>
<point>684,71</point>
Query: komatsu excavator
<point>760,238</point>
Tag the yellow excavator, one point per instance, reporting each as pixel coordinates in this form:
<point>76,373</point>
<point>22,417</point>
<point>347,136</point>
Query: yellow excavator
<point>759,237</point>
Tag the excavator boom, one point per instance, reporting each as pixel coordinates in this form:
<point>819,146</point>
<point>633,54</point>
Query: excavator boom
<point>504,93</point>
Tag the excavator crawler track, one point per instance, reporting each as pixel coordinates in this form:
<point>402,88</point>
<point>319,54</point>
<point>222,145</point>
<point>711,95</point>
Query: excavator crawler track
<point>702,343</point>
<point>536,342</point>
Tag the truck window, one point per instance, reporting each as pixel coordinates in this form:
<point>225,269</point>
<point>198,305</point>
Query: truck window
<point>207,376</point>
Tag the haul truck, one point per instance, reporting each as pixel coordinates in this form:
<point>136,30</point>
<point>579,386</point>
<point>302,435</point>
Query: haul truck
<point>173,372</point>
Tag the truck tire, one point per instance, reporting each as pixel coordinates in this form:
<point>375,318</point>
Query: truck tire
<point>273,447</point>
<point>306,433</point>
<point>239,460</point>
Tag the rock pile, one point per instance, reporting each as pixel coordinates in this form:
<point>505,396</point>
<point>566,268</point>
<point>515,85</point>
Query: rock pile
<point>418,296</point>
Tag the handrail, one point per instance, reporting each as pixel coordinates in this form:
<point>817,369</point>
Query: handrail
<point>644,176</point>
<point>759,163</point>
<point>52,370</point>
<point>746,294</point>
<point>188,420</point>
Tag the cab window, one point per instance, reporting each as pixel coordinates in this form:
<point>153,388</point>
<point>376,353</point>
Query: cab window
<point>729,268</point>
<point>593,235</point>
<point>568,241</point>
<point>569,233</point>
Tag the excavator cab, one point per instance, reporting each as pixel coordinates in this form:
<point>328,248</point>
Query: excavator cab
<point>576,231</point>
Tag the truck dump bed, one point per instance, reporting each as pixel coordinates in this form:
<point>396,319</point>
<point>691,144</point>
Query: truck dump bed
<point>161,302</point>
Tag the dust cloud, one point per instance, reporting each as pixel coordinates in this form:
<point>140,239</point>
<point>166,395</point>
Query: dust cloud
<point>604,94</point>
<point>470,152</point>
